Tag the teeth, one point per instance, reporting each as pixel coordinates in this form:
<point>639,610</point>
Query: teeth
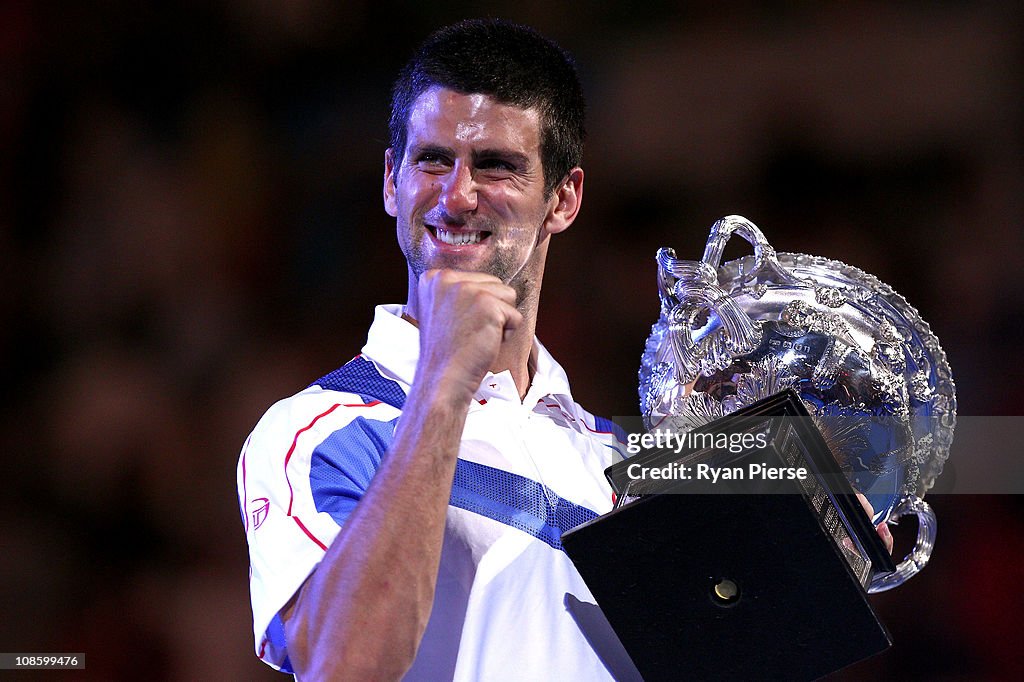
<point>457,238</point>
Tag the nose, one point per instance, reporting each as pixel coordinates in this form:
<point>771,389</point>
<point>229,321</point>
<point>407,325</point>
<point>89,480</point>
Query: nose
<point>458,191</point>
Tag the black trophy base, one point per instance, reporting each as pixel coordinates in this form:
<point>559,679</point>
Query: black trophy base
<point>709,587</point>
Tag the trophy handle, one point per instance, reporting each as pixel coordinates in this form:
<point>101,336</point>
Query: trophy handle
<point>922,551</point>
<point>766,262</point>
<point>690,294</point>
<point>723,229</point>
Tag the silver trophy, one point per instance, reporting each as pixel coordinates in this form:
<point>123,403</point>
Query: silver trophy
<point>863,362</point>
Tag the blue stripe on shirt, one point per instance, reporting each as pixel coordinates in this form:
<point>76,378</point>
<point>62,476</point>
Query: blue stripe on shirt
<point>345,462</point>
<point>516,501</point>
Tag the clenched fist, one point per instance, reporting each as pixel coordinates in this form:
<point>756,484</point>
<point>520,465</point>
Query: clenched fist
<point>463,318</point>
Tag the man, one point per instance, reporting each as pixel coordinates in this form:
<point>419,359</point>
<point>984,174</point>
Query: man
<point>404,513</point>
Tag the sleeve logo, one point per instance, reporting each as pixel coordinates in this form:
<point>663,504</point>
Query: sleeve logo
<point>259,508</point>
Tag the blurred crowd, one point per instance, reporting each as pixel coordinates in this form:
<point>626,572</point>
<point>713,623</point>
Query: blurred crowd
<point>191,228</point>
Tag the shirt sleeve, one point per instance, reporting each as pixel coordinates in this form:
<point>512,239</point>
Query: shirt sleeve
<point>300,474</point>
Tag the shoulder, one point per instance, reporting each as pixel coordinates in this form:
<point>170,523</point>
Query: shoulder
<point>355,390</point>
<point>602,427</point>
<point>556,382</point>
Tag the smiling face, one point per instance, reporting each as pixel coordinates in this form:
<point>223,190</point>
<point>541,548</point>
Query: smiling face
<point>469,192</point>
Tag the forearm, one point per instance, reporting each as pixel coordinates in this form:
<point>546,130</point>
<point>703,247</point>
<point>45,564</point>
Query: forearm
<point>364,609</point>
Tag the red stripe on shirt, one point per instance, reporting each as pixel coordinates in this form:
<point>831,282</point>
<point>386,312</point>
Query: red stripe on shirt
<point>602,433</point>
<point>310,535</point>
<point>291,450</point>
<point>307,427</point>
<point>571,418</point>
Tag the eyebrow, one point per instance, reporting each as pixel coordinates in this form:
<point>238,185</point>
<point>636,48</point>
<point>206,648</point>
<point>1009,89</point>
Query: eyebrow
<point>517,159</point>
<point>417,150</point>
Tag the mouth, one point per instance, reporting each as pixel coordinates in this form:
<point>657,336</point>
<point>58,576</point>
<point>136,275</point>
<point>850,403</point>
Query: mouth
<point>458,237</point>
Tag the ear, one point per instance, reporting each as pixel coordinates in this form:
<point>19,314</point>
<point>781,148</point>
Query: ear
<point>566,202</point>
<point>390,171</point>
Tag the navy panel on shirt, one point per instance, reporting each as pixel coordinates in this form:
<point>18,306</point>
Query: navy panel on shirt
<point>516,501</point>
<point>359,376</point>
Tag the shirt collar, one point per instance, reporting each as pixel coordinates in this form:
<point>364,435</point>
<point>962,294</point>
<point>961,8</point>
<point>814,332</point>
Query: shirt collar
<point>393,343</point>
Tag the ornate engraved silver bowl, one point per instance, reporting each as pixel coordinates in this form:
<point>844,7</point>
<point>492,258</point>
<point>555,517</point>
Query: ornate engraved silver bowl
<point>863,361</point>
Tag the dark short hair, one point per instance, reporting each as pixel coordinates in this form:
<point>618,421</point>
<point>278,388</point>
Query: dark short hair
<point>512,63</point>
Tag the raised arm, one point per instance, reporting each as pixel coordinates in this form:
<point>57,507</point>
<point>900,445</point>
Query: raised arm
<point>363,611</point>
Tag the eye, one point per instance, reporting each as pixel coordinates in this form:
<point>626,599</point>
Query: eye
<point>429,160</point>
<point>495,164</point>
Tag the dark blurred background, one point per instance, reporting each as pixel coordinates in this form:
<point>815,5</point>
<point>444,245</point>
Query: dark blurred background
<point>191,228</point>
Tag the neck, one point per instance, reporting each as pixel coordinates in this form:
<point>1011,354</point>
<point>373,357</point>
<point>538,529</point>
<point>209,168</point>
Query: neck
<point>516,355</point>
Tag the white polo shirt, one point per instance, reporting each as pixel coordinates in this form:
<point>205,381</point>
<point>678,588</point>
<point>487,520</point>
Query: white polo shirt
<point>509,604</point>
